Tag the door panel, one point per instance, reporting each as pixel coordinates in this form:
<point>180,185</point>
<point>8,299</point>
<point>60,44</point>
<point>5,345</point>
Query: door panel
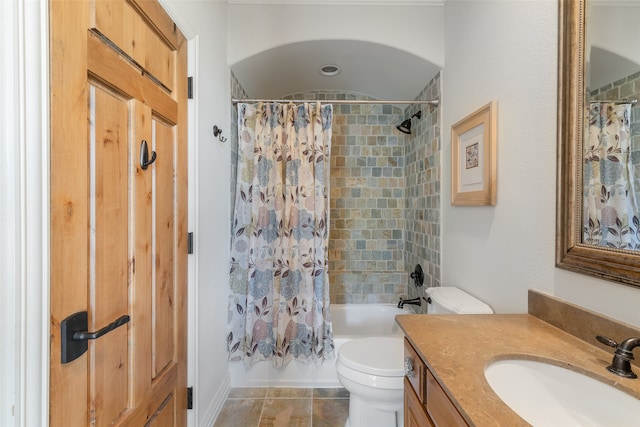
<point>164,196</point>
<point>116,228</point>
<point>126,27</point>
<point>108,252</point>
<point>106,65</point>
<point>142,258</point>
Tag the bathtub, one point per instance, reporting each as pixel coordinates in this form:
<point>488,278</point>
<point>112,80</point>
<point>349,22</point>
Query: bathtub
<point>349,321</point>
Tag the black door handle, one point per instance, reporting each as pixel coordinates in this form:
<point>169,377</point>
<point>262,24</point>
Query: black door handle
<point>78,336</point>
<point>74,334</point>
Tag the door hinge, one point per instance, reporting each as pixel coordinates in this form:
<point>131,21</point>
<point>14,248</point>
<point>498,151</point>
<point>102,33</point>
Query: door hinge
<point>190,87</point>
<point>189,397</point>
<point>190,243</point>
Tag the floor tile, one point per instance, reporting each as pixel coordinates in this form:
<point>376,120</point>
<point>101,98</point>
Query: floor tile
<point>330,412</point>
<point>286,413</point>
<point>240,412</point>
<point>284,407</point>
<point>248,393</point>
<point>290,392</point>
<point>330,393</point>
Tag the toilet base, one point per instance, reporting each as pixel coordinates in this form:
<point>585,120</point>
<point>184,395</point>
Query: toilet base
<point>363,414</point>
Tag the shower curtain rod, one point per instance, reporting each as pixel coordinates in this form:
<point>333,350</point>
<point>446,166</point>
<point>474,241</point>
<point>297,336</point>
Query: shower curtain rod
<point>434,102</point>
<point>616,101</point>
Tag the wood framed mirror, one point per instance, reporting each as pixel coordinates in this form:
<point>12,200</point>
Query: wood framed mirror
<point>573,250</point>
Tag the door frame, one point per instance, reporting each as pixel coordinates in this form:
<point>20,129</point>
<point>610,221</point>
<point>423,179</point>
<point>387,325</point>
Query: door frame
<point>193,416</point>
<point>29,127</point>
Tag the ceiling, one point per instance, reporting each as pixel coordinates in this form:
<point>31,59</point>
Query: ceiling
<point>372,69</point>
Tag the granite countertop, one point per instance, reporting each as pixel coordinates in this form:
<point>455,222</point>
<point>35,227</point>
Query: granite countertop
<point>456,349</point>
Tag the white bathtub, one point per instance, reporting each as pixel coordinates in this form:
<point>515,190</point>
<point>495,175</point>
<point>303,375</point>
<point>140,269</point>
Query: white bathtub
<point>349,321</point>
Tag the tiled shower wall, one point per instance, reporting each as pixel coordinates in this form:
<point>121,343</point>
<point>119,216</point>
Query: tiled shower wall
<point>384,196</point>
<point>423,178</point>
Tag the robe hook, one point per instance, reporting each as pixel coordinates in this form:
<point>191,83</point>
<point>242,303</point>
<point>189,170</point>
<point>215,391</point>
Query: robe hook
<point>217,132</point>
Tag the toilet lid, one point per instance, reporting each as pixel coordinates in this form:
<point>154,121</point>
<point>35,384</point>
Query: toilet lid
<point>374,355</point>
<point>457,301</point>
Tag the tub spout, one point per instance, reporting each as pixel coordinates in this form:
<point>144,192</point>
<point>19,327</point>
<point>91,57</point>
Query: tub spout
<point>412,301</point>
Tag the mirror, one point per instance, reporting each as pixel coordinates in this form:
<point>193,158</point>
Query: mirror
<point>590,234</point>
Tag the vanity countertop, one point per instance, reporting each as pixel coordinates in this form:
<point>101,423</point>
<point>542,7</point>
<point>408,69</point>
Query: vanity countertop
<point>456,349</point>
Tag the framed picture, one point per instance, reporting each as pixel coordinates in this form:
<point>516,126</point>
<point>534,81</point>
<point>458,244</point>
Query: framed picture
<point>473,158</point>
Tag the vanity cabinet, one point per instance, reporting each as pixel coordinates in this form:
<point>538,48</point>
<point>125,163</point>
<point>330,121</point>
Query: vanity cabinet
<point>414,413</point>
<point>425,402</point>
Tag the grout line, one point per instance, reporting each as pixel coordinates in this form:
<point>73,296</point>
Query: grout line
<point>264,402</point>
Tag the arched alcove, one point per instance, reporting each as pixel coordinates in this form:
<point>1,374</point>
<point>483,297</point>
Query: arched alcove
<point>380,71</point>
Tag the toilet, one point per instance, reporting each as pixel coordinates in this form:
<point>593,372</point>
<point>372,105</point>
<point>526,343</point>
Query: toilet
<point>372,368</point>
<point>452,300</point>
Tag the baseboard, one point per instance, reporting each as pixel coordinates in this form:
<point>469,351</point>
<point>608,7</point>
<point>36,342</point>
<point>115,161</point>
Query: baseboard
<point>209,416</point>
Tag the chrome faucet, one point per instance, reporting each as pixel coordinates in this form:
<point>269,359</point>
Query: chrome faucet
<point>621,363</point>
<point>412,301</point>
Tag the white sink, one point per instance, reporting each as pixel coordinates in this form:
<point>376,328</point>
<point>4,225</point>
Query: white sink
<point>548,395</point>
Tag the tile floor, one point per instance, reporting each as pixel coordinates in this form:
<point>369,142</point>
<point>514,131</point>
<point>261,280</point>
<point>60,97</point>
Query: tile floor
<point>284,407</point>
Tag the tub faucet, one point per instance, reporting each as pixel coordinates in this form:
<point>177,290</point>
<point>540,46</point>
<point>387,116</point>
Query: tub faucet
<point>413,301</point>
<point>621,363</point>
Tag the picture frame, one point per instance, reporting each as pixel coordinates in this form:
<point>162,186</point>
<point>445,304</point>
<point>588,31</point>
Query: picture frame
<point>473,158</point>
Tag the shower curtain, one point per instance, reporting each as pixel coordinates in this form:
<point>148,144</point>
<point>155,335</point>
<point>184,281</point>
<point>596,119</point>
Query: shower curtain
<point>279,286</point>
<point>610,211</point>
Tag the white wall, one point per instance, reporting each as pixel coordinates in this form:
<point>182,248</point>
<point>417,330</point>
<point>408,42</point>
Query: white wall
<point>507,51</point>
<point>205,23</point>
<point>255,28</point>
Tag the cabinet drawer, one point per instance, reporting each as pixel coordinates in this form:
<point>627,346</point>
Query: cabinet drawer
<point>414,370</point>
<point>439,407</point>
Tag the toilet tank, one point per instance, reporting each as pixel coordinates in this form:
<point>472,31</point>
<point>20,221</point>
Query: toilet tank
<point>452,300</point>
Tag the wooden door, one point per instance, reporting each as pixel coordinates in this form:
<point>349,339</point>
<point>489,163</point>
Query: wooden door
<point>118,230</point>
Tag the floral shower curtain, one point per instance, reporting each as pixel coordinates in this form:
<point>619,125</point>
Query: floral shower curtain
<point>610,208</point>
<point>279,297</point>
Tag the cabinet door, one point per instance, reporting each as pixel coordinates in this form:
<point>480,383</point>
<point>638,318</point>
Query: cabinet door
<point>439,407</point>
<point>414,413</point>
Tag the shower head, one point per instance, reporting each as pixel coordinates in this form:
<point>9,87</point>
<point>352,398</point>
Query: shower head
<point>405,126</point>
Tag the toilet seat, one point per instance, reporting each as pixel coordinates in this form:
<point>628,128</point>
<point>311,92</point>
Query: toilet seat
<point>378,356</point>
<point>351,378</point>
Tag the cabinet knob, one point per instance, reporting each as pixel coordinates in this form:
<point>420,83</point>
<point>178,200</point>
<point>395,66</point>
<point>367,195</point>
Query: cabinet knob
<point>408,367</point>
